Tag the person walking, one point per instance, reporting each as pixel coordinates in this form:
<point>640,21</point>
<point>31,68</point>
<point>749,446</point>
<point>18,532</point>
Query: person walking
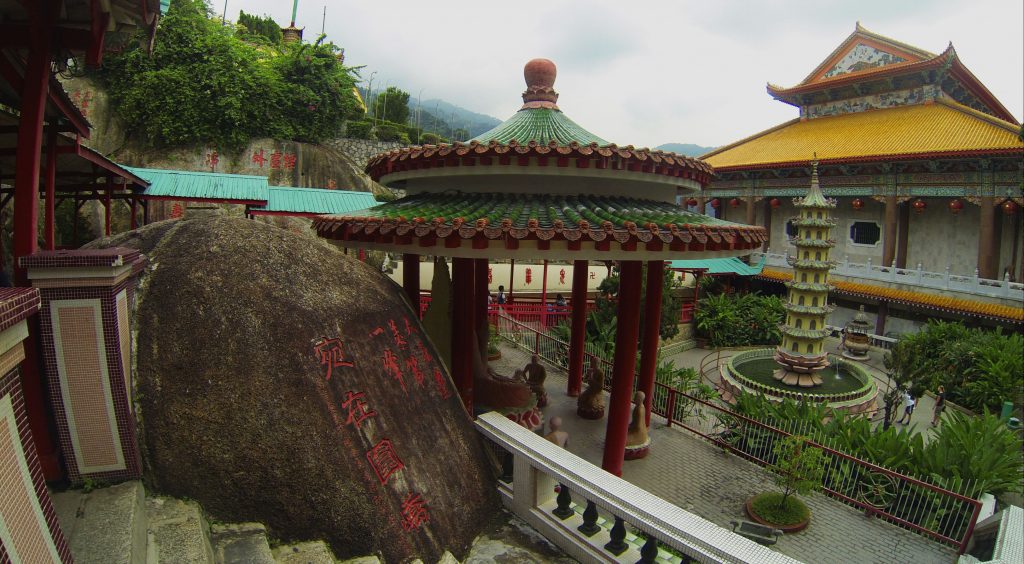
<point>940,405</point>
<point>908,407</point>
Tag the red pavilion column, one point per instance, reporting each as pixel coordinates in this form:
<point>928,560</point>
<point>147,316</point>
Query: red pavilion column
<point>42,16</point>
<point>480,292</point>
<point>623,367</point>
<point>411,280</point>
<point>462,334</point>
<point>51,182</point>
<point>652,324</point>
<point>578,338</point>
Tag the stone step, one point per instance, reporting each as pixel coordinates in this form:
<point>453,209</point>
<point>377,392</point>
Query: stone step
<point>106,525</point>
<point>240,543</point>
<point>314,552</point>
<point>178,533</point>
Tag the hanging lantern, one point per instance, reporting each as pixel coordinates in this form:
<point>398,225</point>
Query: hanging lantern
<point>955,206</point>
<point>919,205</point>
<point>857,203</point>
<point>1010,207</point>
<point>692,202</point>
<point>715,203</point>
<point>774,203</point>
<point>735,202</point>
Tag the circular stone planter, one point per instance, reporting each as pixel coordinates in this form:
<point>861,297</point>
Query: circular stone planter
<point>794,528</point>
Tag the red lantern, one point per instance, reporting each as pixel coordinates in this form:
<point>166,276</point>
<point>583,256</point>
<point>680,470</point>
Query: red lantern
<point>955,206</point>
<point>735,202</point>
<point>857,203</point>
<point>692,202</point>
<point>774,203</point>
<point>715,203</point>
<point>919,205</point>
<point>1010,207</point>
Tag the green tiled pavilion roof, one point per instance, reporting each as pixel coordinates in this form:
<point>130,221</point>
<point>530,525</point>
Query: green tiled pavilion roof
<point>205,186</point>
<point>542,125</point>
<point>546,209</point>
<point>285,200</point>
<point>731,265</point>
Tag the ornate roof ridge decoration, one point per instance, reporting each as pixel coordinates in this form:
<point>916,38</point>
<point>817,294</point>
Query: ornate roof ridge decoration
<point>540,84</point>
<point>862,33</point>
<point>432,156</point>
<point>492,216</point>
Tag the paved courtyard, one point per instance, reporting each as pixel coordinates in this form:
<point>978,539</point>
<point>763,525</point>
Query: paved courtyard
<point>701,478</point>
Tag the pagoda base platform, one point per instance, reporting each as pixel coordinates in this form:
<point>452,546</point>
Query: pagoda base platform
<point>802,379</point>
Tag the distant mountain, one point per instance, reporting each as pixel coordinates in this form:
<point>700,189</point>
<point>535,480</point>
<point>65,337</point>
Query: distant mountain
<point>687,149</point>
<point>438,115</point>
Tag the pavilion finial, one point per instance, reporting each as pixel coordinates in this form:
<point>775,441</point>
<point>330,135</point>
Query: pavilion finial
<point>540,81</point>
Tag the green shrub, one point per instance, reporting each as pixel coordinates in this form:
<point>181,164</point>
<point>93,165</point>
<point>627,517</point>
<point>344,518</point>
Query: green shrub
<point>772,507</point>
<point>359,130</point>
<point>429,139</point>
<point>389,132</point>
<point>738,321</point>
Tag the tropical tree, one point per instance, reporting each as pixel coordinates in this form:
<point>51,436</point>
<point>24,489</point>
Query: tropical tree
<point>392,105</point>
<point>799,467</point>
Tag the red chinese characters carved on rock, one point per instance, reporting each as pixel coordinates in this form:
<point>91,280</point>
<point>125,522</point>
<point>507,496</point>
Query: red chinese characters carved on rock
<point>212,158</point>
<point>259,158</point>
<point>358,411</point>
<point>400,341</point>
<point>330,352</point>
<point>414,366</point>
<point>384,460</point>
<point>414,512</point>
<point>392,369</point>
<point>289,161</point>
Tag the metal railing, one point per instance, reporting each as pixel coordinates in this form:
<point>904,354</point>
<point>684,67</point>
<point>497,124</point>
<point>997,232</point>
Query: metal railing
<point>971,284</point>
<point>915,504</point>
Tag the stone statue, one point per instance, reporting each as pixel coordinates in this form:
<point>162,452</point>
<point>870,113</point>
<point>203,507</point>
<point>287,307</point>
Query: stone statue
<point>590,404</point>
<point>637,440</point>
<point>556,435</point>
<point>535,376</point>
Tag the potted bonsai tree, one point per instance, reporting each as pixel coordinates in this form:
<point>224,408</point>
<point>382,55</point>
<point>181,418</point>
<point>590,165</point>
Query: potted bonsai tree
<point>799,469</point>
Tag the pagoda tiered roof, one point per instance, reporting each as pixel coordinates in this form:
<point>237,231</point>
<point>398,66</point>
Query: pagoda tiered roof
<point>543,125</point>
<point>940,129</point>
<point>808,310</point>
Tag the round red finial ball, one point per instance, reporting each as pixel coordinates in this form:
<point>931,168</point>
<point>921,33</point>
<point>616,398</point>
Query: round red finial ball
<point>735,202</point>
<point>857,203</point>
<point>715,203</point>
<point>919,205</point>
<point>774,203</point>
<point>955,206</point>
<point>1010,207</point>
<point>540,72</point>
<point>692,202</point>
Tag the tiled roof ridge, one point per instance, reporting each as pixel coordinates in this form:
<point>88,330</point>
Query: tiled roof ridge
<point>312,189</point>
<point>137,169</point>
<point>533,147</point>
<point>922,299</point>
<point>999,122</point>
<point>859,75</point>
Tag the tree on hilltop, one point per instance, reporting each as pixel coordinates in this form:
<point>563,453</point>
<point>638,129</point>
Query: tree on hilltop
<point>392,105</point>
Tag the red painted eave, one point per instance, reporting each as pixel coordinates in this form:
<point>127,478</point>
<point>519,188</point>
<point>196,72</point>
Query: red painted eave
<point>876,158</point>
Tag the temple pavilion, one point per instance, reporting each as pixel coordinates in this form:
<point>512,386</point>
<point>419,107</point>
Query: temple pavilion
<point>540,186</point>
<point>925,165</point>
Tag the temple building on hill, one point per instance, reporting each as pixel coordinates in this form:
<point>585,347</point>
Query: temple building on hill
<point>926,166</point>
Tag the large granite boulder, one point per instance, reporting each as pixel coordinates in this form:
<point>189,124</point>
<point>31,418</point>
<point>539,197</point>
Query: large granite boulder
<point>280,381</point>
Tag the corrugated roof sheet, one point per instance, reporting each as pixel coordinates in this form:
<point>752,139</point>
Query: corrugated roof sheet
<point>731,265</point>
<point>209,186</point>
<point>542,125</point>
<point>315,201</point>
<point>941,127</point>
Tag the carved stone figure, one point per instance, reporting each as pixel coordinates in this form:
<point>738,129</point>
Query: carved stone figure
<point>556,434</point>
<point>590,404</point>
<point>535,376</point>
<point>638,442</point>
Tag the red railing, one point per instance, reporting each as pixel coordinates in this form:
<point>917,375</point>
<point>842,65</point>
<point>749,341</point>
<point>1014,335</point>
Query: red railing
<point>928,509</point>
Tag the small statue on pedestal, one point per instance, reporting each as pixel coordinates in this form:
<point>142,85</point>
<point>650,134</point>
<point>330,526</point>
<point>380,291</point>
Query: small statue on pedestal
<point>638,442</point>
<point>590,404</point>
<point>535,376</point>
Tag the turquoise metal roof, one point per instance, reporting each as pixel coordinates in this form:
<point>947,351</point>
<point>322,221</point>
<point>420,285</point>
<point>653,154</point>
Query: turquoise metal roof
<point>732,265</point>
<point>286,200</point>
<point>542,125</point>
<point>164,6</point>
<point>208,186</point>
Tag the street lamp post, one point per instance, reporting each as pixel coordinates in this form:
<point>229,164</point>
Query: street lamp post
<point>418,97</point>
<point>369,88</point>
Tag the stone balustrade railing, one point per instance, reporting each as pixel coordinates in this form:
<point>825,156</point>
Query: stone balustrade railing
<point>914,277</point>
<point>533,466</point>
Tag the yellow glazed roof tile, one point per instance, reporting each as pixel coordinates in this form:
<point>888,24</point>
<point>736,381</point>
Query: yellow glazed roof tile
<point>942,127</point>
<point>934,301</point>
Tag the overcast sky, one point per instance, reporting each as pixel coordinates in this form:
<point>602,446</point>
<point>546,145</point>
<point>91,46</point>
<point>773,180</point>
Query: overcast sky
<point>646,72</point>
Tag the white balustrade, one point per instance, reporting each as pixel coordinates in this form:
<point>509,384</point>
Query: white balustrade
<point>917,277</point>
<point>539,464</point>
